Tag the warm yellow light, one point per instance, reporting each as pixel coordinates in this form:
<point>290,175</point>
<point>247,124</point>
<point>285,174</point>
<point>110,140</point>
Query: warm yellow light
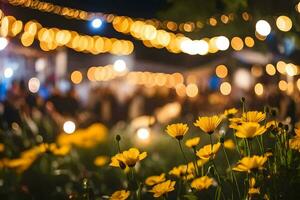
<point>298,84</point>
<point>213,21</point>
<point>225,88</point>
<point>192,90</point>
<point>283,86</point>
<point>256,71</point>
<point>76,77</point>
<point>237,43</point>
<point>222,43</point>
<point>221,71</point>
<point>270,69</point>
<point>249,41</point>
<point>259,89</point>
<point>120,65</point>
<point>91,73</point>
<point>263,28</point>
<point>180,90</point>
<point>280,66</point>
<point>291,69</point>
<point>284,23</point>
<point>69,127</point>
<point>27,39</point>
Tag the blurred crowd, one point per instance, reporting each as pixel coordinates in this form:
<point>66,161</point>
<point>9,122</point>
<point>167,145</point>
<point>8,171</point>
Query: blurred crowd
<point>113,103</point>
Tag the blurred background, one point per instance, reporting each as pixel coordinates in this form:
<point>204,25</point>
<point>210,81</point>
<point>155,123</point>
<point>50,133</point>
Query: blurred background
<point>134,66</point>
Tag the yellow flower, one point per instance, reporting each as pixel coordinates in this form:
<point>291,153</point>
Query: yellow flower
<point>177,130</point>
<point>178,171</point>
<point>132,156</point>
<point>193,142</point>
<point>295,141</point>
<point>207,152</point>
<point>252,190</point>
<point>120,195</point>
<point>249,130</point>
<point>230,112</point>
<point>201,183</point>
<point>2,147</point>
<point>208,124</point>
<point>247,164</point>
<point>163,188</point>
<point>201,162</point>
<point>84,138</point>
<point>59,151</point>
<point>271,123</point>
<point>253,116</point>
<point>229,144</point>
<point>118,161</point>
<point>153,180</point>
<point>100,161</point>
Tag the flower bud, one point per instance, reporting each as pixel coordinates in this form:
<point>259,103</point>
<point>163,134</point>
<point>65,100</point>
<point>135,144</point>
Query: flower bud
<point>118,137</point>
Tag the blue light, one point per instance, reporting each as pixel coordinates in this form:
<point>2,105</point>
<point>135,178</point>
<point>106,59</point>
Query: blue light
<point>96,23</point>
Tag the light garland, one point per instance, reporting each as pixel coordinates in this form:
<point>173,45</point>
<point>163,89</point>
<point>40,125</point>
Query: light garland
<point>170,25</point>
<point>52,38</point>
<point>147,30</point>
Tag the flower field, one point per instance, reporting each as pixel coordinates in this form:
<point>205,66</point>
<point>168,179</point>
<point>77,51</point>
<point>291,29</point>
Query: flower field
<point>238,154</point>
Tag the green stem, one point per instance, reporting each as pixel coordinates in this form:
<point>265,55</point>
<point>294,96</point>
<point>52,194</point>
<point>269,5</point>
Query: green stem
<point>237,145</point>
<point>186,161</point>
<point>260,146</point>
<point>233,177</point>
<point>247,147</point>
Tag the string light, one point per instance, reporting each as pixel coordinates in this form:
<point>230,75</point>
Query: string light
<point>284,23</point>
<point>120,65</point>
<point>52,38</point>
<point>96,23</point>
<point>263,28</point>
<point>72,13</point>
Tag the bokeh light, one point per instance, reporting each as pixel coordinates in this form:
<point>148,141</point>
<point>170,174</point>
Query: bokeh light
<point>76,77</point>
<point>242,78</point>
<point>8,72</point>
<point>34,85</point>
<point>191,90</point>
<point>96,23</point>
<point>283,85</point>
<point>143,133</point>
<point>263,28</point>
<point>225,88</point>
<point>270,69</point>
<point>221,71</point>
<point>222,43</point>
<point>69,127</point>
<point>284,23</point>
<point>3,43</point>
<point>120,65</point>
<point>259,89</point>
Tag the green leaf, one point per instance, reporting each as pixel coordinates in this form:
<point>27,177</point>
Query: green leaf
<point>190,197</point>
